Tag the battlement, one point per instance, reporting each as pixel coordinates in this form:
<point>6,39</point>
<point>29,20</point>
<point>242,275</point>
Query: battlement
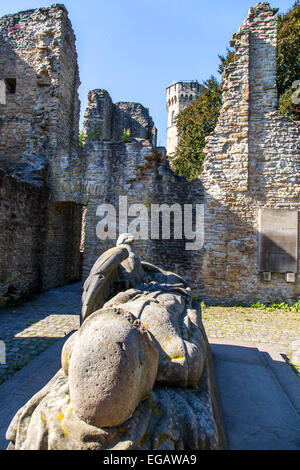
<point>184,84</point>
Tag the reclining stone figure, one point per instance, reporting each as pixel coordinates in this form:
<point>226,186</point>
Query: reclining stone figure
<point>135,375</point>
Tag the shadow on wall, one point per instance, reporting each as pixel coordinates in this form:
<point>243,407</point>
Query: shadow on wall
<point>39,240</point>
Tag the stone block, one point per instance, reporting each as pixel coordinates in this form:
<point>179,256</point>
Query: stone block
<point>278,242</point>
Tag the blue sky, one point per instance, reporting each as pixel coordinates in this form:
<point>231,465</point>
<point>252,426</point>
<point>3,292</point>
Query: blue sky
<point>136,48</point>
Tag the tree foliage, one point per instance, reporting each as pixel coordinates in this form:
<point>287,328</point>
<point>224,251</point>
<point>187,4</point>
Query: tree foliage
<point>288,61</point>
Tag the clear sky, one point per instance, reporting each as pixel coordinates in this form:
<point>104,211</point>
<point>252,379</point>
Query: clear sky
<point>134,49</point>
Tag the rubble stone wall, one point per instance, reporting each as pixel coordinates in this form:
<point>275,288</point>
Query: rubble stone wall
<point>138,172</point>
<point>105,120</point>
<point>252,162</point>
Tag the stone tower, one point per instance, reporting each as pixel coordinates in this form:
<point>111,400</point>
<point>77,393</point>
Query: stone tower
<point>178,96</point>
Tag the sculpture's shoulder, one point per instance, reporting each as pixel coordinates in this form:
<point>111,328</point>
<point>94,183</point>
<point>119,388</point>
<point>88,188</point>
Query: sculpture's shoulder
<point>109,259</point>
<point>112,256</point>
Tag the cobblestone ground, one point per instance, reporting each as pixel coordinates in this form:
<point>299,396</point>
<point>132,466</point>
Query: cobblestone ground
<point>29,329</point>
<point>278,327</point>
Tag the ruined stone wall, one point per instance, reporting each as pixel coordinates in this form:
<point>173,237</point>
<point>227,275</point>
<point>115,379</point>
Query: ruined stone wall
<point>133,168</point>
<point>252,162</point>
<point>40,239</point>
<point>104,120</point>
<point>135,117</point>
<point>61,258</point>
<point>39,121</point>
<point>98,117</point>
<point>139,172</point>
<point>21,205</point>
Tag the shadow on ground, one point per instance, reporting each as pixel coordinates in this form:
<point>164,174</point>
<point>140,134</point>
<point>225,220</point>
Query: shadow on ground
<point>259,394</point>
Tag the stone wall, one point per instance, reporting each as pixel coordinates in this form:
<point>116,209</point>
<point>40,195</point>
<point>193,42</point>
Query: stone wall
<point>61,258</point>
<point>135,117</point>
<point>40,237</point>
<point>133,168</point>
<point>20,237</point>
<point>252,162</point>
<point>39,121</point>
<point>98,117</point>
<point>140,173</point>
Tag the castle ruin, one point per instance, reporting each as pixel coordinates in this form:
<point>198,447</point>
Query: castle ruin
<point>51,185</point>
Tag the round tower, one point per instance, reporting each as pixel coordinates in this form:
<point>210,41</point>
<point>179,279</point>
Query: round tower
<point>179,95</point>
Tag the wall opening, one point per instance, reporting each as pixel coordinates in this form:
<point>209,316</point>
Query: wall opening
<point>173,118</point>
<point>11,86</point>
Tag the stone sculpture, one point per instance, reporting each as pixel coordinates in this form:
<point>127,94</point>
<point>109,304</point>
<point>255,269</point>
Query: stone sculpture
<point>135,375</point>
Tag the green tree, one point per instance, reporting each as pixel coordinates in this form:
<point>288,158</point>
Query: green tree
<point>193,125</point>
<point>288,60</point>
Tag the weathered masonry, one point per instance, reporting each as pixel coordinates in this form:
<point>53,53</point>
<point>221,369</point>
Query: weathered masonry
<point>249,187</point>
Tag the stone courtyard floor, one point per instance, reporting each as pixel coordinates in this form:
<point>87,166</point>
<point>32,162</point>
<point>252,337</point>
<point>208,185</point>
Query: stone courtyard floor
<point>30,328</point>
